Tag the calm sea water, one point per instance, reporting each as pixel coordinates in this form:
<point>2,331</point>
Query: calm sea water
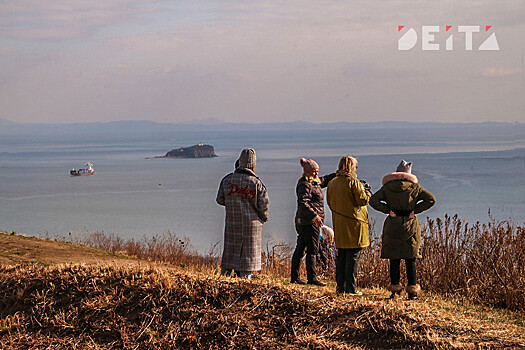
<point>131,196</point>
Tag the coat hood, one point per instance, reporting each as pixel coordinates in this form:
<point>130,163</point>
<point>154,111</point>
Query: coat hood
<point>406,181</point>
<point>399,176</point>
<point>242,170</point>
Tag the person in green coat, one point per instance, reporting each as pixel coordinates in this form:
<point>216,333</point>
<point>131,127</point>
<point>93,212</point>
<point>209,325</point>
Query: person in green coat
<point>401,198</point>
<point>348,197</point>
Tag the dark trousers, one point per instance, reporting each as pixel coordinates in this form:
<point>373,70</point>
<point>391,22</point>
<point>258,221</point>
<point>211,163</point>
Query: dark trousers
<point>346,264</point>
<point>307,240</point>
<point>395,274</point>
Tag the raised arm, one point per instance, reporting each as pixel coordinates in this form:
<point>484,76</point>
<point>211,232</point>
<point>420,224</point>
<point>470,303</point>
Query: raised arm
<point>378,201</point>
<point>361,196</point>
<point>326,179</point>
<point>425,200</point>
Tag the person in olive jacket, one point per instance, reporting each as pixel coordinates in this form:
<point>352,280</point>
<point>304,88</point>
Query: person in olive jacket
<point>347,198</point>
<point>308,220</point>
<point>401,197</point>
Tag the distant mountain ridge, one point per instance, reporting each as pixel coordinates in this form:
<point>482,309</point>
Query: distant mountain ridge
<point>5,122</point>
<point>143,126</point>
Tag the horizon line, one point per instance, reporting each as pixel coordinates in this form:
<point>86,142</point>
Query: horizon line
<point>209,121</point>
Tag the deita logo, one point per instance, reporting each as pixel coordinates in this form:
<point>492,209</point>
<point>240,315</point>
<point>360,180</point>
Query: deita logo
<point>429,42</point>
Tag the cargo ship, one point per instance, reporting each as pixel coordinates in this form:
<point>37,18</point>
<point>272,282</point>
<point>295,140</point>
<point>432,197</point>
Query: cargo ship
<point>87,170</point>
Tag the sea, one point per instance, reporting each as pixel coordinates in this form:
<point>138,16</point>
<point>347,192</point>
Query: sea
<point>474,172</point>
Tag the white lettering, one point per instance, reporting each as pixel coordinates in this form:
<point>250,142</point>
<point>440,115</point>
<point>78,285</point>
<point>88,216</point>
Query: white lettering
<point>449,43</point>
<point>429,42</point>
<point>468,30</point>
<point>408,40</point>
<point>491,44</point>
<point>427,38</point>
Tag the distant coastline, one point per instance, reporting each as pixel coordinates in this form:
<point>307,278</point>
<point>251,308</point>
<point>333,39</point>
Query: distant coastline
<point>8,127</point>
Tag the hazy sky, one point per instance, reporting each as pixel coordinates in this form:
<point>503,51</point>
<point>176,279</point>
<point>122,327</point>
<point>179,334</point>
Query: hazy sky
<point>257,61</point>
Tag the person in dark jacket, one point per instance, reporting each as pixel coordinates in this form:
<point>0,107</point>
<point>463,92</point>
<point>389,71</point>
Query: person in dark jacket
<point>401,198</point>
<point>308,220</point>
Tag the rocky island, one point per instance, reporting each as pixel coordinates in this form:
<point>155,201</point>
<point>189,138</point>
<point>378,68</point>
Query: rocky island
<point>197,151</point>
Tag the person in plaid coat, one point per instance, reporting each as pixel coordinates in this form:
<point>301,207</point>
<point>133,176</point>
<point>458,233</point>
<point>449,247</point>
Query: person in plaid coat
<point>246,201</point>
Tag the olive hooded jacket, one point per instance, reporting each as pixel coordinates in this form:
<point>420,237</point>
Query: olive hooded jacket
<point>347,198</point>
<point>401,235</point>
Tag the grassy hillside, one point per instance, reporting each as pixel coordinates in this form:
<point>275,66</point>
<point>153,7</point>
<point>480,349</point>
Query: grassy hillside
<point>124,307</point>
<point>132,304</point>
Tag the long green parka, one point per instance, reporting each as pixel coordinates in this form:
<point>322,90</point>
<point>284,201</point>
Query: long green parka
<point>347,198</point>
<point>401,235</point>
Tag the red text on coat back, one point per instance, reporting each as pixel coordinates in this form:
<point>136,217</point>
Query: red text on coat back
<point>246,192</point>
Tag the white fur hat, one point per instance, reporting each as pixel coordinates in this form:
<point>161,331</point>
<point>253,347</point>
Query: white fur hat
<point>327,232</point>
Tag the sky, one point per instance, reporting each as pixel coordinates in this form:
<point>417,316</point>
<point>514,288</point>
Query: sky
<point>258,61</point>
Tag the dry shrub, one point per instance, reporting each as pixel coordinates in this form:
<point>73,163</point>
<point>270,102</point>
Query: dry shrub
<point>276,260</point>
<point>166,248</point>
<point>483,263</point>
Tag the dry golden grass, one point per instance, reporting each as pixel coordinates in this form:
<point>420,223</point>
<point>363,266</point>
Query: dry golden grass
<point>481,263</point>
<point>101,307</point>
<point>472,278</point>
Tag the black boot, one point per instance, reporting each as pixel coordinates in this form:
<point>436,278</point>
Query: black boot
<point>316,282</point>
<point>298,281</point>
<point>296,264</point>
<point>310,271</point>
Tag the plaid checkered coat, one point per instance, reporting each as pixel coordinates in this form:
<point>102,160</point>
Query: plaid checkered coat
<point>246,200</point>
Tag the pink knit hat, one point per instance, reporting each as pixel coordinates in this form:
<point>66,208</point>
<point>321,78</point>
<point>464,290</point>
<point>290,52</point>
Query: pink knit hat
<point>308,165</point>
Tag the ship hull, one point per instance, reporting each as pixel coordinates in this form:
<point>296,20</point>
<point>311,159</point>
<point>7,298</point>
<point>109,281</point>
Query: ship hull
<point>81,173</point>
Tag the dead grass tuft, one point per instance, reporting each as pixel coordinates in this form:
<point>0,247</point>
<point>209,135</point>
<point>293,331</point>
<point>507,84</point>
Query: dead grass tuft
<point>480,263</point>
<point>103,307</point>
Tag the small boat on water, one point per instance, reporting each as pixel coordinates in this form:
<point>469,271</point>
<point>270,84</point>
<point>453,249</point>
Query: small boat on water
<point>87,170</point>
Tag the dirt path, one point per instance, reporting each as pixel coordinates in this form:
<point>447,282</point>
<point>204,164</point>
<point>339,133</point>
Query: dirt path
<point>19,249</point>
